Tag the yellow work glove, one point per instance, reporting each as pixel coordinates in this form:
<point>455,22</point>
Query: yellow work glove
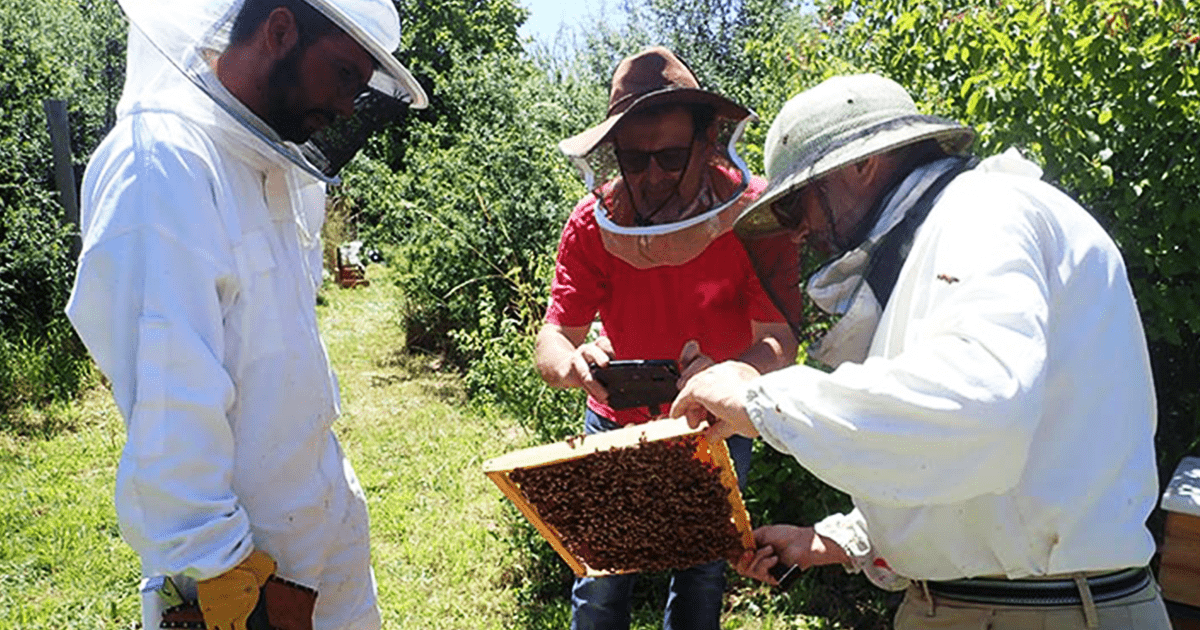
<point>227,600</point>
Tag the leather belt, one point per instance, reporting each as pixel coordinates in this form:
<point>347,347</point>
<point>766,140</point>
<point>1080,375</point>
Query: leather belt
<point>1064,592</point>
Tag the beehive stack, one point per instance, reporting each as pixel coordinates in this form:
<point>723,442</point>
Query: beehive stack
<point>350,270</point>
<point>1179,570</point>
<point>643,498</point>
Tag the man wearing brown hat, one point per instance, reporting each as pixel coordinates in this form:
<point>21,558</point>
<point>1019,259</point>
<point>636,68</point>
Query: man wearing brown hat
<point>650,250</point>
<point>990,408</point>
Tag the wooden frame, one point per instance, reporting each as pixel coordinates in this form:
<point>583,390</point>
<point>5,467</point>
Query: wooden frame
<point>498,470</point>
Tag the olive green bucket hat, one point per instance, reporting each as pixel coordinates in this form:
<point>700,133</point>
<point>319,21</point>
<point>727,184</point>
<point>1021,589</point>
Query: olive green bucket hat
<point>836,123</point>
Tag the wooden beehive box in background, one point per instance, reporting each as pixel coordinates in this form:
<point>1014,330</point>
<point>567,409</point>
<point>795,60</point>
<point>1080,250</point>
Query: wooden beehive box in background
<point>575,450</point>
<point>1179,569</point>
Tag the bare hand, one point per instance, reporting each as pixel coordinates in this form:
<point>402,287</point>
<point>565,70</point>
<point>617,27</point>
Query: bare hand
<point>692,361</point>
<point>787,544</point>
<point>597,353</point>
<point>716,395</point>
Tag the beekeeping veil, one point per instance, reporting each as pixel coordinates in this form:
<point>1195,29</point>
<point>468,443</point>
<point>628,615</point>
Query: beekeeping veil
<point>172,46</point>
<point>839,122</point>
<point>652,78</point>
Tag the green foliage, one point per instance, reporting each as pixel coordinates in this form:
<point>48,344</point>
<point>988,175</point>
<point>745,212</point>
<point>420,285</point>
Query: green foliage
<point>501,374</point>
<point>713,36</point>
<point>780,490</point>
<point>40,369</point>
<point>439,39</point>
<point>1104,94</point>
<point>793,55</point>
<point>35,263</point>
<point>53,49</point>
<point>480,202</point>
<point>436,31</point>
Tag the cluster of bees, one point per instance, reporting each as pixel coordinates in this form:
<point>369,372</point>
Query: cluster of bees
<point>646,507</point>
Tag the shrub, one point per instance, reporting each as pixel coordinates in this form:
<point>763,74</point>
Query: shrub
<point>482,197</point>
<point>39,369</point>
<point>502,374</point>
<point>63,49</point>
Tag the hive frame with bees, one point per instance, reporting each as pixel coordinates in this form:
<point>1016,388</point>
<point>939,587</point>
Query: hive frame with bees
<point>500,470</point>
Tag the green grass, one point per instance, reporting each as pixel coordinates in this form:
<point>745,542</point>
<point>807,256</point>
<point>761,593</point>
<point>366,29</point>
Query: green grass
<point>418,450</point>
<point>448,551</point>
<point>38,368</point>
<point>62,561</point>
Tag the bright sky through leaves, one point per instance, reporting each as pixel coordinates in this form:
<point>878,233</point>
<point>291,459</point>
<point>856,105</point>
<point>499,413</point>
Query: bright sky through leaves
<point>546,15</point>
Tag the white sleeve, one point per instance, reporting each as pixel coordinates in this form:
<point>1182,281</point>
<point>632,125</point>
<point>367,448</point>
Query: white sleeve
<point>850,532</point>
<point>148,303</point>
<point>952,414</point>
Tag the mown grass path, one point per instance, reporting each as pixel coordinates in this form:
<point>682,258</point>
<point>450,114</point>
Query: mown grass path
<point>418,451</point>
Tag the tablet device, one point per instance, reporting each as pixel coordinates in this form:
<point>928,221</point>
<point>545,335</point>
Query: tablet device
<point>638,382</point>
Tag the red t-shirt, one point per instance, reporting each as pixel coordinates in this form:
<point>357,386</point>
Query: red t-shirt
<point>651,313</point>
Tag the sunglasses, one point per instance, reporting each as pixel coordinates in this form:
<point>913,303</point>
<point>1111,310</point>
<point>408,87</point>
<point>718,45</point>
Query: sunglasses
<point>787,210</point>
<point>671,160</point>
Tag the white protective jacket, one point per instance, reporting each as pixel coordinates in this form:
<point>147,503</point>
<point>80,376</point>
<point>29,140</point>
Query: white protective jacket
<point>1003,420</point>
<point>196,296</point>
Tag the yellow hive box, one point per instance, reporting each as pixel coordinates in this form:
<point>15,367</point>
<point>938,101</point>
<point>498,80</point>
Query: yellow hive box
<point>500,469</point>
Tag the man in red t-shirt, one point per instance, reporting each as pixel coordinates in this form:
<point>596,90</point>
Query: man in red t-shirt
<point>651,252</point>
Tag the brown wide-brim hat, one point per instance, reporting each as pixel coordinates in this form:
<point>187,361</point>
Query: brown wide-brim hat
<point>654,76</point>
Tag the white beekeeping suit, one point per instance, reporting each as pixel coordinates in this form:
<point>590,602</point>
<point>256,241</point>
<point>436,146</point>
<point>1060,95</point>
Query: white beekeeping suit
<point>195,295</point>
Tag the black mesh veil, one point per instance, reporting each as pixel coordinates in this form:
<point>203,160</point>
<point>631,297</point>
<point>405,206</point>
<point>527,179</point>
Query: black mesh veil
<point>332,147</point>
<point>778,260</point>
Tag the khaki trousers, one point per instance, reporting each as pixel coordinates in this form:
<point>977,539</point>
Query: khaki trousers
<point>1143,610</point>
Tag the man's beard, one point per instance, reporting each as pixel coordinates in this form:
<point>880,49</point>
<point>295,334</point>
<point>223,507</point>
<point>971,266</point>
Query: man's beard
<point>284,115</point>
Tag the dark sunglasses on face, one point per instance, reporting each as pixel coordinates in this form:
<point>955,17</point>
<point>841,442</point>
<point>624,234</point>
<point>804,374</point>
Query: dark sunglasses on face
<point>787,210</point>
<point>671,160</point>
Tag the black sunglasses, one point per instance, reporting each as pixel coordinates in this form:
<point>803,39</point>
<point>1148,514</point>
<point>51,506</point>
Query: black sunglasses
<point>787,210</point>
<point>671,160</point>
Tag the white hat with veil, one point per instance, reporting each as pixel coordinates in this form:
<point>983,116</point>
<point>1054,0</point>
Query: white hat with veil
<point>173,40</point>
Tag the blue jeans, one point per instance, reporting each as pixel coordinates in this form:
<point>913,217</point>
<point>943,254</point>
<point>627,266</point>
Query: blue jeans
<point>694,595</point>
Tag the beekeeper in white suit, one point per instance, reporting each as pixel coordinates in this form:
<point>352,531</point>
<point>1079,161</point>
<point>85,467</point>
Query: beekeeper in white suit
<point>195,295</point>
<point>990,407</point>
